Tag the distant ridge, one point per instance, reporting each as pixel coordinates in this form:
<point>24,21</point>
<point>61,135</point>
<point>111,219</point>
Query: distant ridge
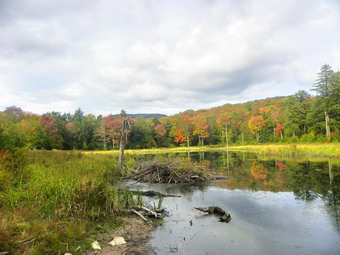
<point>143,115</point>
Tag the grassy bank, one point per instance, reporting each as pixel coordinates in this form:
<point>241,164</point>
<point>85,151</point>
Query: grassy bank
<point>57,202</point>
<point>293,150</point>
<point>287,150</point>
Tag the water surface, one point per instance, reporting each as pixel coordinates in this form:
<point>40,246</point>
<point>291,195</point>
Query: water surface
<point>277,207</point>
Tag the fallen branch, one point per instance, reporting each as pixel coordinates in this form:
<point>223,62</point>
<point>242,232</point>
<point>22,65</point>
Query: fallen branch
<point>152,193</point>
<point>148,212</point>
<point>138,214</point>
<point>143,212</point>
<point>225,217</point>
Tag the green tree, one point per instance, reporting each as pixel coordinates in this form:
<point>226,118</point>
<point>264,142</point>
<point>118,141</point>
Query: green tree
<point>298,108</point>
<point>141,135</point>
<point>327,88</point>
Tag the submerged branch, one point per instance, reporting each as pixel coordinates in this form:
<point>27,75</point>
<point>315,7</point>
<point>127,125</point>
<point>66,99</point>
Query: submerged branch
<point>224,216</point>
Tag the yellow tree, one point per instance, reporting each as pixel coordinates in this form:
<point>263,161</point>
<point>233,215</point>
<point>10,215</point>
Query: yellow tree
<point>255,124</point>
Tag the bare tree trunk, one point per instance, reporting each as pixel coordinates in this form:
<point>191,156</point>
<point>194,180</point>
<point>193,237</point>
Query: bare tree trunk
<point>123,140</point>
<point>242,138</point>
<point>121,151</point>
<point>281,134</point>
<point>226,135</point>
<point>188,141</point>
<point>104,142</point>
<point>328,131</point>
<point>257,137</point>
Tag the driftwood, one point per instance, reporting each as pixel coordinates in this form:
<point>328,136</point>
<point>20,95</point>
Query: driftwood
<point>147,212</point>
<point>137,213</point>
<point>152,193</point>
<point>224,216</point>
<point>143,212</point>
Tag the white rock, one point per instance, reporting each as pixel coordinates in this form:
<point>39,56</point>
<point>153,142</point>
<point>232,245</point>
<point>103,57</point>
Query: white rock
<point>118,240</point>
<point>95,245</point>
<point>68,253</point>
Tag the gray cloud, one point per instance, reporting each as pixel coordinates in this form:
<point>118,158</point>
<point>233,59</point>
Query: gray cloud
<point>161,56</point>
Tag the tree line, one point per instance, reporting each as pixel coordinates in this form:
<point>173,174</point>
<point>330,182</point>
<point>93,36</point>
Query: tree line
<point>297,118</point>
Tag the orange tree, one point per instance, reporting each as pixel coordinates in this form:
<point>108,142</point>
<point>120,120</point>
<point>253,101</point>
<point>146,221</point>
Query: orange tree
<point>200,128</point>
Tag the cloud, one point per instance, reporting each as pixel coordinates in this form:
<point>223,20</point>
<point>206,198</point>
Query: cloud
<point>161,56</point>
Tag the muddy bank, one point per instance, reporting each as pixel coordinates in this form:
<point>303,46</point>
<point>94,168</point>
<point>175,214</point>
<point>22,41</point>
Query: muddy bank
<point>136,234</point>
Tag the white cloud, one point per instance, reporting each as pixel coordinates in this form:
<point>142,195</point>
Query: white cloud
<point>161,56</point>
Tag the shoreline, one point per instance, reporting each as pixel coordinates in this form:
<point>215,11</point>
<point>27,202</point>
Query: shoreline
<point>136,233</point>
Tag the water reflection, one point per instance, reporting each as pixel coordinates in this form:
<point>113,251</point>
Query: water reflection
<point>278,206</point>
<point>307,180</point>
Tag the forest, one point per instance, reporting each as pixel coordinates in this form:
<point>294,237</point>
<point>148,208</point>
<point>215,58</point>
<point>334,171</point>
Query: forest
<point>297,118</point>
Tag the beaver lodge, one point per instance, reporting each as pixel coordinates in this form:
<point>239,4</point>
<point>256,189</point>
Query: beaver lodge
<point>173,171</point>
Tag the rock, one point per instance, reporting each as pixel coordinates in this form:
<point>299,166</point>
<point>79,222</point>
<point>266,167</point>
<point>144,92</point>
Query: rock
<point>118,240</point>
<point>95,245</point>
<point>68,253</point>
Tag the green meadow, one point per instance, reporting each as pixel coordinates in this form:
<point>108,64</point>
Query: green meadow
<point>58,202</point>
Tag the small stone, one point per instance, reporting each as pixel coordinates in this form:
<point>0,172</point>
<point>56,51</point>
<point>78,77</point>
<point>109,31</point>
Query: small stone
<point>68,253</point>
<point>95,245</point>
<point>118,240</point>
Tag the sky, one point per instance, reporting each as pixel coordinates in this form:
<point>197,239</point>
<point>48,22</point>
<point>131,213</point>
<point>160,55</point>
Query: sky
<point>157,56</point>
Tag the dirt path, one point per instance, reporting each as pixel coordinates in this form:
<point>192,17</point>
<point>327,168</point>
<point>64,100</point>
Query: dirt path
<point>136,234</point>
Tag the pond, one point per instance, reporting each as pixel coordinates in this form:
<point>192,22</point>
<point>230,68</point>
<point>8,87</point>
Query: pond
<point>277,207</point>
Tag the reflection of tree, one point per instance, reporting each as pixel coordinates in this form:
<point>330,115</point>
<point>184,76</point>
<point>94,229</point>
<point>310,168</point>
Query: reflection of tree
<point>312,180</point>
<point>333,205</point>
<point>332,197</point>
<point>301,181</point>
<point>258,171</point>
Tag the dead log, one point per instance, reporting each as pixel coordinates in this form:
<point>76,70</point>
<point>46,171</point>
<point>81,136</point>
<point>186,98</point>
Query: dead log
<point>143,212</point>
<point>147,212</point>
<point>152,193</point>
<point>137,213</point>
<point>224,216</point>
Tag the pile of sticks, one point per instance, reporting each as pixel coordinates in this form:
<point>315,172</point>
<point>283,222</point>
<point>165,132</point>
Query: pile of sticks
<point>170,172</point>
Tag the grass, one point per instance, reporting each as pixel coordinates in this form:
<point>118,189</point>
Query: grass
<point>292,150</point>
<point>288,150</point>
<point>57,202</point>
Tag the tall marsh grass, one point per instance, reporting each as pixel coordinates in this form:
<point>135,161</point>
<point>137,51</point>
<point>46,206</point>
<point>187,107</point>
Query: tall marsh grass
<point>293,150</point>
<point>58,198</point>
<point>289,150</point>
